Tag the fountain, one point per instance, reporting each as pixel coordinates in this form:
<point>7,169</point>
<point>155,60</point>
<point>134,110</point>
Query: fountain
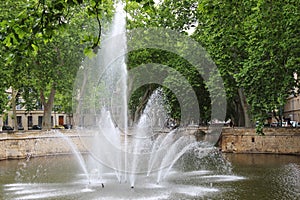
<point>103,113</point>
<point>143,160</point>
<point>141,156</point>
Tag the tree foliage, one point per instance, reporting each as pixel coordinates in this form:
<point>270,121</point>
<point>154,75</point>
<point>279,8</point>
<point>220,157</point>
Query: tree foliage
<point>178,16</point>
<point>255,45</point>
<point>42,47</point>
<point>268,72</point>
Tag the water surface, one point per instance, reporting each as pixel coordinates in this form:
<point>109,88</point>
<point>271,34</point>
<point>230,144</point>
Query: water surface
<point>217,176</point>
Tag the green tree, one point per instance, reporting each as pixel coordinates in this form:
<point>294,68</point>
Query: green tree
<point>255,46</point>
<point>41,48</point>
<point>267,76</point>
<point>178,16</point>
<point>13,61</point>
<point>220,30</point>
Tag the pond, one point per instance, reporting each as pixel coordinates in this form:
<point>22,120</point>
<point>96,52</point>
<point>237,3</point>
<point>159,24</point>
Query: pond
<point>216,176</point>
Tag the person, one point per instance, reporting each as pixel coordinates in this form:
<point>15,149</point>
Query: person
<point>231,123</point>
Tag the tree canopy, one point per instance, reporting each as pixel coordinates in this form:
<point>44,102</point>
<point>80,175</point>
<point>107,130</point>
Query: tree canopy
<point>42,48</point>
<point>255,45</point>
<point>251,44</point>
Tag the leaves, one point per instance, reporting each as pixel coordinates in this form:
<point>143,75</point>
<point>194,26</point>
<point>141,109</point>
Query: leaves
<point>251,43</point>
<point>254,43</point>
<point>41,47</point>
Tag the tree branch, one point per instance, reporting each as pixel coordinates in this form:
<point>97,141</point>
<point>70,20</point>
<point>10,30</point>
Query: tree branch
<point>95,45</point>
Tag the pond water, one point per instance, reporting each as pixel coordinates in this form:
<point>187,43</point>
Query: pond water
<point>216,176</point>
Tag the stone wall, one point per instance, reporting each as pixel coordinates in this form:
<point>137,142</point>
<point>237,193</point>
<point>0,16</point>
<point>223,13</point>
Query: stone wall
<point>275,140</point>
<point>237,140</point>
<point>22,145</point>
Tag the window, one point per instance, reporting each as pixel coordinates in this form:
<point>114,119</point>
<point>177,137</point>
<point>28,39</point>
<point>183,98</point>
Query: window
<point>5,122</point>
<point>19,120</point>
<point>29,121</point>
<point>40,121</point>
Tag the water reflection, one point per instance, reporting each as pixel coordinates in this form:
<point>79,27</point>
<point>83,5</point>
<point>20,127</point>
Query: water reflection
<point>268,176</point>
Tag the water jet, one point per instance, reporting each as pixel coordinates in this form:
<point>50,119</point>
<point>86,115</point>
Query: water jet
<point>167,166</point>
<point>117,153</point>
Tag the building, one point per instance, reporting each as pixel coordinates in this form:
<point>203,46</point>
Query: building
<point>27,119</point>
<point>292,108</point>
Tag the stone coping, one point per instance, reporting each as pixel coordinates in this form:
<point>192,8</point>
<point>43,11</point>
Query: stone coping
<point>38,134</point>
<point>280,131</point>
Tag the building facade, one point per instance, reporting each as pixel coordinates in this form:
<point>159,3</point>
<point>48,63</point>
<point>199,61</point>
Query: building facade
<point>26,120</point>
<point>292,108</point>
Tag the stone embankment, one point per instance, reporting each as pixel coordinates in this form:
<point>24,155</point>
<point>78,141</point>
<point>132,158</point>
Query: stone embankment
<point>32,144</point>
<point>233,140</point>
<point>275,140</point>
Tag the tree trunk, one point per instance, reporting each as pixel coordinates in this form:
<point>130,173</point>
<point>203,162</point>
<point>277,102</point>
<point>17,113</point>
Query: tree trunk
<point>47,108</point>
<point>245,108</point>
<point>47,118</point>
<point>140,108</point>
<point>79,99</point>
<point>240,120</point>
